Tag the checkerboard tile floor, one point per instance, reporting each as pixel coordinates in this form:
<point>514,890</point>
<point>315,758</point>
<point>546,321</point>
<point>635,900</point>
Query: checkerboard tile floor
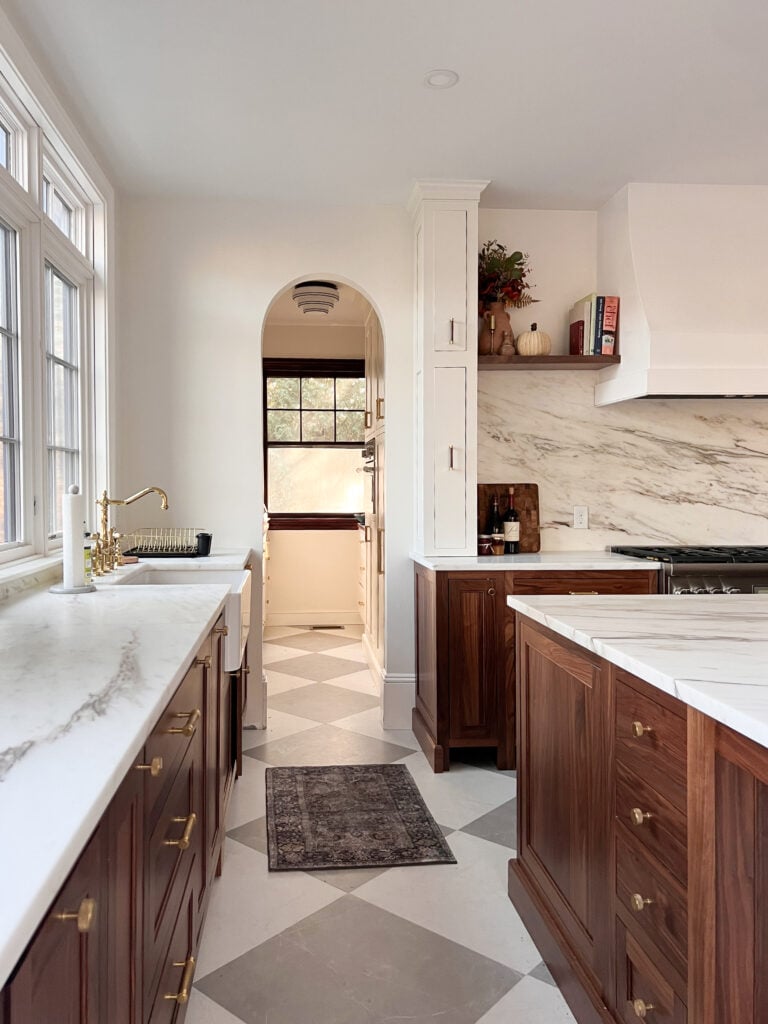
<point>364,946</point>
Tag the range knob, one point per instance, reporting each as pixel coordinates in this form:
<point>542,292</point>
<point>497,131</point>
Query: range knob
<point>732,590</point>
<point>699,590</point>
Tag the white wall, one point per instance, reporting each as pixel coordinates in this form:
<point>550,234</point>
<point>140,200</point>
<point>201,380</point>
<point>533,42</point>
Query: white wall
<point>342,341</point>
<point>197,279</point>
<point>313,578</point>
<point>562,246</point>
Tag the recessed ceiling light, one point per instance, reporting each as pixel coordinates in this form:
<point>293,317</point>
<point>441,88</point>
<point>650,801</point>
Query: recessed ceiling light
<point>441,78</point>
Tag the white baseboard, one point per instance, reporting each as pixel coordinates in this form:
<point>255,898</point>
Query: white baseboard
<point>398,695</point>
<point>342,617</point>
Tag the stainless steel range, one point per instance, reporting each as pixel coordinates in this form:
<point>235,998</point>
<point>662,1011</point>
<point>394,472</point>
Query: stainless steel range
<point>706,570</point>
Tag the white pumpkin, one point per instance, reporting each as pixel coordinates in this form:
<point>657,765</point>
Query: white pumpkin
<point>534,342</point>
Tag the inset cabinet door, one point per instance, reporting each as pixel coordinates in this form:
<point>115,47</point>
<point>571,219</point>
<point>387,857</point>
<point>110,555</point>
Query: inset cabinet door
<point>449,281</point>
<point>475,617</point>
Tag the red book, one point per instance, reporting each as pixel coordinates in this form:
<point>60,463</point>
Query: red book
<point>610,324</point>
<point>576,338</point>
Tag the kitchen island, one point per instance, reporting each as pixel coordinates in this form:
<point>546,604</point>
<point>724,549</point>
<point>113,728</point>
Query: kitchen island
<point>84,679</point>
<point>642,865</point>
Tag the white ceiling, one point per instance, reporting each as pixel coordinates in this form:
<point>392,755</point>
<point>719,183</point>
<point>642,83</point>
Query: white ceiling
<point>559,103</point>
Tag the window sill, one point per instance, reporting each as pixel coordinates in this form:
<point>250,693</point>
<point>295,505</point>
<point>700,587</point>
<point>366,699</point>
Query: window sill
<point>27,573</point>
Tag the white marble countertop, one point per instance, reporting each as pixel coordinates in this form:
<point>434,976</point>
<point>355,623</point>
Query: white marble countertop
<point>545,560</point>
<point>83,679</point>
<point>710,651</point>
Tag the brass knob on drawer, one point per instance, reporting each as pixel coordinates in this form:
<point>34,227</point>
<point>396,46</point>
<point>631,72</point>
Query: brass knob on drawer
<point>491,591</point>
<point>154,767</point>
<point>186,836</point>
<point>641,1008</point>
<point>189,729</point>
<point>639,902</point>
<point>639,817</point>
<point>84,915</point>
<point>639,730</point>
<point>182,996</point>
<point>206,661</point>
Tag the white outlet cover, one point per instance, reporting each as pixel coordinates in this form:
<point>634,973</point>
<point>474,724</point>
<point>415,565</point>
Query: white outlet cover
<point>580,517</point>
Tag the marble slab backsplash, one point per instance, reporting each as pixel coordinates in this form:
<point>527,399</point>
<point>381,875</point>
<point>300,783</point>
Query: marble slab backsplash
<point>675,471</point>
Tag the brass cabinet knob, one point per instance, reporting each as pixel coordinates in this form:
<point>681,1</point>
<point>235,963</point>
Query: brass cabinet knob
<point>189,823</point>
<point>491,591</point>
<point>641,1008</point>
<point>189,729</point>
<point>154,767</point>
<point>639,817</point>
<point>182,996</point>
<point>84,915</point>
<point>246,670</point>
<point>221,630</point>
<point>639,730</point>
<point>639,902</point>
<point>206,661</point>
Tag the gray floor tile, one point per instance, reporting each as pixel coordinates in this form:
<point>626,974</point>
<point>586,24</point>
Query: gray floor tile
<point>348,879</point>
<point>317,667</point>
<point>253,834</point>
<point>312,641</point>
<point>326,744</point>
<point>322,702</point>
<point>352,963</point>
<point>541,973</point>
<point>498,826</point>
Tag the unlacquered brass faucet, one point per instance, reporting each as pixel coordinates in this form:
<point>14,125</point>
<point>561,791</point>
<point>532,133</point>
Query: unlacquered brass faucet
<point>107,541</point>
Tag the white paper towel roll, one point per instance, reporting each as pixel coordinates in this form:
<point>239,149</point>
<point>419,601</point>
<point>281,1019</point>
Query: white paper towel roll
<point>73,518</point>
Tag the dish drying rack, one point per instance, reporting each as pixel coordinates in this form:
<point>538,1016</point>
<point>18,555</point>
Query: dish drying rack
<point>164,542</point>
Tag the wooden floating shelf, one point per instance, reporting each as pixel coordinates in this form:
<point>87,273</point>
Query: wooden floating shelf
<point>546,362</point>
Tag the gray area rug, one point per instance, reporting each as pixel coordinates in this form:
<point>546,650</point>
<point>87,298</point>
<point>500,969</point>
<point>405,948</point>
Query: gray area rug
<point>349,816</point>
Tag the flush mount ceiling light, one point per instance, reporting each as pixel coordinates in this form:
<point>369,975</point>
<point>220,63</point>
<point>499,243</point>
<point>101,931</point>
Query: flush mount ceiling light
<point>316,296</point>
<point>441,78</point>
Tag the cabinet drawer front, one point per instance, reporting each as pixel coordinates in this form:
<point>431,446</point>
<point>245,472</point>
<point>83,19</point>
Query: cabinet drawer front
<point>601,582</point>
<point>641,987</point>
<point>658,754</point>
<point>663,832</point>
<point>663,913</point>
<point>165,1010</point>
<point>168,867</point>
<point>185,713</point>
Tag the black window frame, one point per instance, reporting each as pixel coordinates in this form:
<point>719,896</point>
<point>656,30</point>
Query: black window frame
<point>302,368</point>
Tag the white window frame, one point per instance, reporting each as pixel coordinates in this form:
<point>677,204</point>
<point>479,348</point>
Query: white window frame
<point>74,197</point>
<point>23,144</point>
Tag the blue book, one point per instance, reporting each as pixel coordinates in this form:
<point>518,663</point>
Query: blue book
<point>597,338</point>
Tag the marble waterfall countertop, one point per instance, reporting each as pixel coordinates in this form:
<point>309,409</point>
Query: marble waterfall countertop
<point>563,561</point>
<point>710,651</point>
<point>83,679</point>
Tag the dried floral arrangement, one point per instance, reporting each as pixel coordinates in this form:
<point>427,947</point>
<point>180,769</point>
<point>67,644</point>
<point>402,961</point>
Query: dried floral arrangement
<point>502,276</point>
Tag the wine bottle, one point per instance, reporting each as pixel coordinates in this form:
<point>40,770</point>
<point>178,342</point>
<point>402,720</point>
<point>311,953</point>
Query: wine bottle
<point>496,527</point>
<point>511,527</point>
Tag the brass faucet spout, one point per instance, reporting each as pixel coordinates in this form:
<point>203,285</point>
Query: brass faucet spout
<point>105,536</point>
<point>142,494</point>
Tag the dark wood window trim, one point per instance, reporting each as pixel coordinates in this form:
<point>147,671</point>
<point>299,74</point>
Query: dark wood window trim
<point>307,368</point>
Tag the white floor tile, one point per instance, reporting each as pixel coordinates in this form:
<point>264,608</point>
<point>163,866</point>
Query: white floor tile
<point>368,723</point>
<point>202,1010</point>
<point>461,795</point>
<point>250,904</point>
<point>466,902</point>
<point>280,682</point>
<point>276,632</point>
<point>249,795</point>
<point>273,654</point>
<point>352,652</point>
<point>279,725</point>
<point>361,682</point>
<point>530,1000</point>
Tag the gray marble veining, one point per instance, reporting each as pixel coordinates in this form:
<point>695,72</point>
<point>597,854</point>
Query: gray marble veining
<point>667,471</point>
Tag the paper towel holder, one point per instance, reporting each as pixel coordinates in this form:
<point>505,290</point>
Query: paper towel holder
<point>59,588</point>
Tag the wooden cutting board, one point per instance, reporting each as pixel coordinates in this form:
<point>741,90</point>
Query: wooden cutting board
<point>526,503</point>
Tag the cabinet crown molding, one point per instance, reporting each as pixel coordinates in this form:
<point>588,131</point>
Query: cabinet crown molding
<point>445,189</point>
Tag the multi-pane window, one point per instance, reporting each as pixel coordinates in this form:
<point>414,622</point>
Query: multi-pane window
<point>63,208</point>
<point>10,424</point>
<point>314,429</point>
<point>5,147</point>
<point>62,391</point>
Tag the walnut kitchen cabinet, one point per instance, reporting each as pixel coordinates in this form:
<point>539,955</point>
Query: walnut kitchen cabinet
<point>119,942</point>
<point>465,650</point>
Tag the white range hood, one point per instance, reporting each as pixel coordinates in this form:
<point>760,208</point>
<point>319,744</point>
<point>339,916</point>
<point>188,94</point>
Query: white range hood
<point>690,263</point>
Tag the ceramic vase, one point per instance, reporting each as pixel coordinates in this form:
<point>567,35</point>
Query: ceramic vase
<point>495,324</point>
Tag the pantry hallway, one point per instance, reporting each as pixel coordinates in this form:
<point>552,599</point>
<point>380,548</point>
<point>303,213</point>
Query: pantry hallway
<point>364,946</point>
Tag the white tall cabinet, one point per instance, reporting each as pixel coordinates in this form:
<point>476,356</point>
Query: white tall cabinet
<point>446,239</point>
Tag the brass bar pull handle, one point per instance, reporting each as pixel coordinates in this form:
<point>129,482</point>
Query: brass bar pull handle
<point>206,661</point>
<point>367,535</point>
<point>379,408</point>
<point>182,996</point>
<point>450,456</point>
<point>641,1008</point>
<point>639,817</point>
<point>453,325</point>
<point>221,630</point>
<point>192,717</point>
<point>154,767</point>
<point>380,551</point>
<point>84,915</point>
<point>186,836</point>
<point>572,592</point>
<point>246,670</point>
<point>368,419</point>
<point>639,730</point>
<point>639,902</point>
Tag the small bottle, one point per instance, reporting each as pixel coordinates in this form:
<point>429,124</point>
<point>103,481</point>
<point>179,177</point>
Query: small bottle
<point>496,527</point>
<point>88,559</point>
<point>511,527</point>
